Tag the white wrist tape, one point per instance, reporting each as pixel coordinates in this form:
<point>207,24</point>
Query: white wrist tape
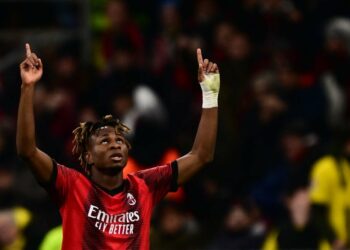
<point>210,90</point>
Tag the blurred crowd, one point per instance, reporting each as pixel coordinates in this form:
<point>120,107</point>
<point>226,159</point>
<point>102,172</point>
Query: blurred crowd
<point>281,174</point>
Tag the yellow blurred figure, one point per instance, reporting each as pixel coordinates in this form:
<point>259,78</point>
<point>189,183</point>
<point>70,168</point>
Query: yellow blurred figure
<point>52,240</point>
<point>330,187</point>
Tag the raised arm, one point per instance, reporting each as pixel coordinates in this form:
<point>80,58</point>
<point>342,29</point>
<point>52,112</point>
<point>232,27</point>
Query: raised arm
<point>203,148</point>
<point>40,163</point>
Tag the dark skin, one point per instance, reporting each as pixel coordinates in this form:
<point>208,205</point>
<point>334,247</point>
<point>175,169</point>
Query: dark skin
<point>107,150</point>
<point>108,154</point>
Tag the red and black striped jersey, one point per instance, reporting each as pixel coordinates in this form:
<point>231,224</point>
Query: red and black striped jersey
<point>95,218</point>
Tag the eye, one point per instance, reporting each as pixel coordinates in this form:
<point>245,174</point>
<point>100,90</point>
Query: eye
<point>120,141</point>
<point>104,141</point>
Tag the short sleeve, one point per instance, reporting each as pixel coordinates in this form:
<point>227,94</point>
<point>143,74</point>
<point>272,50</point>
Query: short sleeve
<point>160,180</point>
<point>323,180</point>
<point>61,181</point>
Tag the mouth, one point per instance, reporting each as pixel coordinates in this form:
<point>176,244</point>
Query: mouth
<point>116,157</point>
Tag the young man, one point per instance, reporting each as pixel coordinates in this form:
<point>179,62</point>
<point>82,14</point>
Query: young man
<point>100,209</point>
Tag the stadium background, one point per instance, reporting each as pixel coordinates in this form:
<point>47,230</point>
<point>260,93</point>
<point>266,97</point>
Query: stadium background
<point>285,79</point>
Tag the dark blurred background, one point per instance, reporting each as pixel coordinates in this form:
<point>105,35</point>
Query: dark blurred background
<point>285,78</point>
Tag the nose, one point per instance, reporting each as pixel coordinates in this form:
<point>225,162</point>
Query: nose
<point>114,145</point>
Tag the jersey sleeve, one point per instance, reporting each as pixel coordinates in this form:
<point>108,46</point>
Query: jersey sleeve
<point>61,181</point>
<point>160,180</point>
<point>322,181</point>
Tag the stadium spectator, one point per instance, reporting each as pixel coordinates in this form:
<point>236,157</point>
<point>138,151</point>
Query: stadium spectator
<point>297,230</point>
<point>243,228</point>
<point>329,192</point>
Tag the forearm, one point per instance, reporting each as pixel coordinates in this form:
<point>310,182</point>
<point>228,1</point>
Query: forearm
<point>205,140</point>
<point>203,148</point>
<point>25,138</point>
<point>39,162</point>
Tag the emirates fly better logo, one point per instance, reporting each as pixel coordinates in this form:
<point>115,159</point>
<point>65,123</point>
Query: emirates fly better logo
<point>131,199</point>
<point>117,224</point>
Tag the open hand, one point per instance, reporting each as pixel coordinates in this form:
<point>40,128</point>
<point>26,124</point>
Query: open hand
<point>31,68</point>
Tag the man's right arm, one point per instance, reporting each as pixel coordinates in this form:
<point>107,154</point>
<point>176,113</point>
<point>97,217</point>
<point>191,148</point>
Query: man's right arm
<point>40,163</point>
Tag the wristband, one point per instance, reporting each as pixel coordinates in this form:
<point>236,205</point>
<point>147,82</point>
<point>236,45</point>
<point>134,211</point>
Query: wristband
<point>210,90</point>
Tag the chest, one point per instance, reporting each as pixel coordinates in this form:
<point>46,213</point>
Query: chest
<point>122,214</point>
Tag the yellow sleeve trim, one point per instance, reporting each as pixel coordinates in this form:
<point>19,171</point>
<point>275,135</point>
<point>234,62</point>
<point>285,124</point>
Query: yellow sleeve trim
<point>22,217</point>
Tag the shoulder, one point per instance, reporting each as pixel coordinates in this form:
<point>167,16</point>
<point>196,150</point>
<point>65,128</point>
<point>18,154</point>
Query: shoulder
<point>62,180</point>
<point>152,170</point>
<point>151,176</point>
<point>68,170</point>
<point>134,177</point>
<point>325,166</point>
<point>62,173</point>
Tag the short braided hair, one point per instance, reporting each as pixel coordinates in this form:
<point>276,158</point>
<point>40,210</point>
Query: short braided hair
<point>85,130</point>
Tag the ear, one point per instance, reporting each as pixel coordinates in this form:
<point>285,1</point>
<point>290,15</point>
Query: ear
<point>88,158</point>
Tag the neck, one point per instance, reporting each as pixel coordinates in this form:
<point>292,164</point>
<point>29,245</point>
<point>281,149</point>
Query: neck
<point>106,180</point>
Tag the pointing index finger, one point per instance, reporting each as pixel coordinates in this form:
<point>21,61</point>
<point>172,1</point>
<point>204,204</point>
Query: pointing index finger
<point>199,57</point>
<point>28,51</point>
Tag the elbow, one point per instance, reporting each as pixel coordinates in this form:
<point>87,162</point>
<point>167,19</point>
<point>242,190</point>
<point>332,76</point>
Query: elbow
<point>207,156</point>
<point>208,159</point>
<point>25,153</point>
<point>24,148</point>
<point>204,159</point>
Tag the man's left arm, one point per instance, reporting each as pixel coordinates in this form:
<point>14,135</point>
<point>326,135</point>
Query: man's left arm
<point>203,148</point>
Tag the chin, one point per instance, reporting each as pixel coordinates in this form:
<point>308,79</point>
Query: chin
<point>112,170</point>
<point>119,165</point>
